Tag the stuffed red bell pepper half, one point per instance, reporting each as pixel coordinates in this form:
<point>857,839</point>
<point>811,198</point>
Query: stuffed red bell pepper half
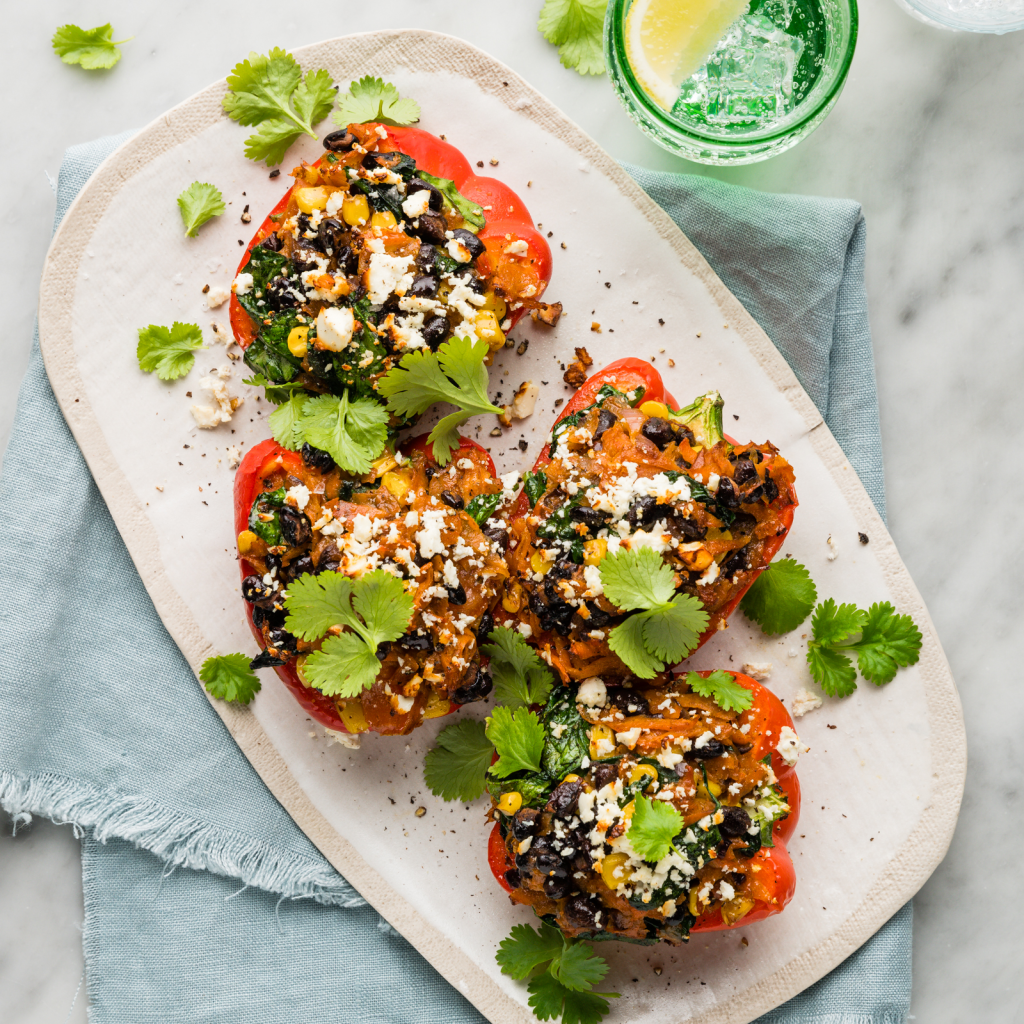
<point>371,595</point>
<point>659,810</point>
<point>628,484</point>
<point>387,245</point>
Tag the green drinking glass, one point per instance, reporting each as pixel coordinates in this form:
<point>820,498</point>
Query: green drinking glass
<point>769,82</point>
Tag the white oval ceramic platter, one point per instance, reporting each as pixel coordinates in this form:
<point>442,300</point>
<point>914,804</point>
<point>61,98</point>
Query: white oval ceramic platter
<point>883,780</point>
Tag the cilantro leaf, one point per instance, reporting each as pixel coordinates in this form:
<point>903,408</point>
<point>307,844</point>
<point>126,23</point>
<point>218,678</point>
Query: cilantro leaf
<point>229,677</point>
<point>285,421</point>
<point>520,676</point>
<point>586,1007</point>
<point>547,996</point>
<point>887,642</point>
<point>833,671</point>
<point>455,373</point>
<point>526,949</point>
<point>472,213</point>
<point>637,578</point>
<point>518,737</point>
<point>832,622</point>
<point>576,27</point>
<point>627,641</point>
<point>198,203</point>
<point>92,48</point>
<point>375,608</point>
<point>723,689</point>
<point>653,827</point>
<point>271,92</point>
<point>343,667</point>
<point>781,597</point>
<point>550,999</point>
<point>578,968</point>
<point>353,433</point>
<point>671,630</point>
<point>168,350</point>
<point>373,99</point>
<point>456,769</point>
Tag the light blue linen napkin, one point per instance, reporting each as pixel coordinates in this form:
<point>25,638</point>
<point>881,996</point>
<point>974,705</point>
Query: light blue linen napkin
<point>204,901</point>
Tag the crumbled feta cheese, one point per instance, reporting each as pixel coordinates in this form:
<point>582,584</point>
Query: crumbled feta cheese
<point>709,576</point>
<point>629,737</point>
<point>417,204</point>
<point>592,692</point>
<point>833,550</point>
<point>790,746</point>
<point>242,284</point>
<point>669,759</point>
<point>429,538</point>
<point>298,496</point>
<point>217,296</point>
<point>726,890</point>
<point>759,670</point>
<point>387,275</point>
<point>234,456</point>
<point>209,416</point>
<point>526,629</point>
<point>334,202</point>
<point>343,739</point>
<point>334,328</point>
<point>702,740</point>
<point>804,702</point>
<point>403,704</point>
<point>458,251</point>
<point>517,248</point>
<point>592,578</point>
<point>412,518</point>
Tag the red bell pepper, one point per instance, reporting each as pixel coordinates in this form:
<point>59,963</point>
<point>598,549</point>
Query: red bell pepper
<point>774,878</point>
<point>627,375</point>
<point>505,213</point>
<point>260,462</point>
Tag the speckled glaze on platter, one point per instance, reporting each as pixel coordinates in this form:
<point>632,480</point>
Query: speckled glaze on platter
<point>881,789</point>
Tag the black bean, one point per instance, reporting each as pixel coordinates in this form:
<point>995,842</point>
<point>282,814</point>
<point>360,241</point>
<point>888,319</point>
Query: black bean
<point>281,641</point>
<point>744,472</point>
<point>744,523</point>
<point>736,878</point>
<point>736,562</point>
<point>689,529</point>
<point>383,649</point>
<point>436,196</point>
<point>425,258</point>
<point>456,595</point>
<point>771,489</point>
<point>558,888</point>
<point>735,822</point>
<point>470,241</point>
<point>273,616</point>
<point>592,517</point>
<point>580,913</point>
<point>513,878</point>
<point>564,797</point>
<point>424,287</point>
<point>272,242</point>
<point>452,500</point>
<point>525,822</point>
<point>305,256</point>
<point>659,432</point>
<point>281,294</point>
<point>266,660</point>
<point>299,567</point>
<point>328,565</point>
<point>642,511</point>
<point>340,141</point>
<point>604,774</point>
<point>477,690</point>
<point>254,589</point>
<point>435,330</point>
<point>628,701</point>
<point>317,458</point>
<point>498,537</point>
<point>605,419</point>
<point>430,227</point>
<point>416,642</point>
<point>486,627</point>
<point>710,749</point>
<point>727,496</point>
<point>330,233</point>
<point>295,526</point>
<point>598,616</point>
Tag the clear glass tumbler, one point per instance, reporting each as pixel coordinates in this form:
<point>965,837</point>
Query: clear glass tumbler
<point>769,82</point>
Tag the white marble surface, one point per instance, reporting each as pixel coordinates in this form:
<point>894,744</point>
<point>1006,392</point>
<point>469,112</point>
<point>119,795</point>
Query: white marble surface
<point>928,135</point>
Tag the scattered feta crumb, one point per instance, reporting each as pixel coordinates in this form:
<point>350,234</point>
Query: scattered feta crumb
<point>804,702</point>
<point>759,670</point>
<point>592,692</point>
<point>242,284</point>
<point>220,410</point>
<point>234,454</point>
<point>833,550</point>
<point>217,296</point>
<point>417,204</point>
<point>298,495</point>
<point>790,746</point>
<point>526,629</point>
<point>343,739</point>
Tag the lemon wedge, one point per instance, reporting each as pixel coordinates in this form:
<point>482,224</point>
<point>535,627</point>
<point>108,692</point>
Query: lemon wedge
<point>668,40</point>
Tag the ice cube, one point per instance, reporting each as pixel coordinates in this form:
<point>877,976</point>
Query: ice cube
<point>748,80</point>
<point>779,11</point>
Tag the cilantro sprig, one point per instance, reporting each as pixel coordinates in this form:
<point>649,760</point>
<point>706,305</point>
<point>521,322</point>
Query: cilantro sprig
<point>518,738</point>
<point>722,688</point>
<point>653,828</point>
<point>576,27</point>
<point>199,203</point>
<point>375,608</point>
<point>352,432</point>
<point>270,91</point>
<point>229,677</point>
<point>667,625</point>
<point>373,99</point>
<point>520,676</point>
<point>781,597</point>
<point>456,769</point>
<point>455,373</point>
<point>92,48</point>
<point>884,643</point>
<point>169,351</point>
<point>568,972</point>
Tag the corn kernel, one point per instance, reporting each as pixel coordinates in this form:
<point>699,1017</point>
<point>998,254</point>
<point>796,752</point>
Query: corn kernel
<point>355,210</point>
<point>692,904</point>
<point>488,329</point>
<point>597,734</point>
<point>436,706</point>
<point>246,540</point>
<point>655,409</point>
<point>714,788</point>
<point>509,803</point>
<point>571,778</point>
<point>396,483</point>
<point>734,909</point>
<point>512,599</point>
<point>298,341</point>
<point>539,562</point>
<point>496,304</point>
<point>629,810</point>
<point>351,713</point>
<point>383,219</point>
<point>594,551</point>
<point>615,870</point>
<point>642,770</point>
<point>310,199</point>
